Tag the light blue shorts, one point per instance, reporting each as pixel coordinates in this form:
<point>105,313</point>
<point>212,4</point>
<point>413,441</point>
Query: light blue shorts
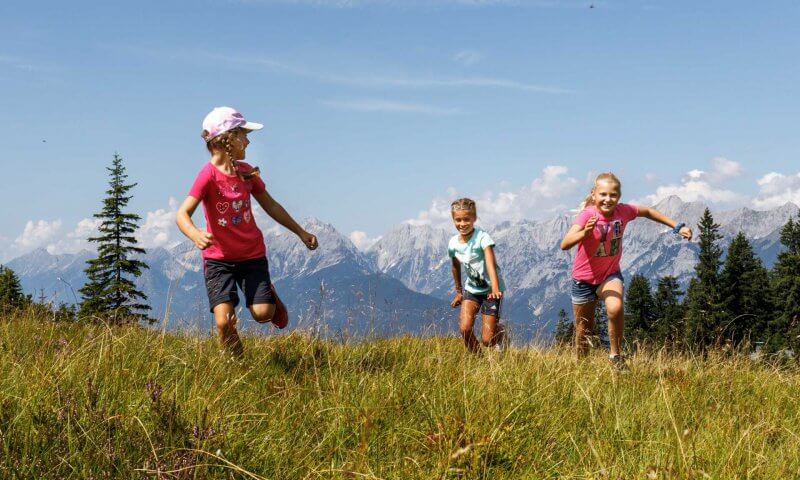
<point>585,292</point>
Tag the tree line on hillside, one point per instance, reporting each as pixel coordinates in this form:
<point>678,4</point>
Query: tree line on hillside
<point>728,303</point>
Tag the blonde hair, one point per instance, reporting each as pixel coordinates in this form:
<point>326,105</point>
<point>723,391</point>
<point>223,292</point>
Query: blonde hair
<point>222,142</point>
<point>463,204</point>
<point>589,200</point>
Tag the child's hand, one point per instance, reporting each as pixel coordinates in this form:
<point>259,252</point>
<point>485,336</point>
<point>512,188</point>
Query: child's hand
<point>685,232</point>
<point>457,300</point>
<point>310,240</point>
<point>202,239</point>
<point>495,295</point>
<point>589,225</point>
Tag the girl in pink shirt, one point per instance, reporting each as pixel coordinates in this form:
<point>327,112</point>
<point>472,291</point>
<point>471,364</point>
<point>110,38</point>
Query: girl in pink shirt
<point>597,231</point>
<point>232,245</point>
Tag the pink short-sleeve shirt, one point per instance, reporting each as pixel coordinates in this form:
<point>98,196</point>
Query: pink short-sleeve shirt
<point>599,254</point>
<point>229,216</point>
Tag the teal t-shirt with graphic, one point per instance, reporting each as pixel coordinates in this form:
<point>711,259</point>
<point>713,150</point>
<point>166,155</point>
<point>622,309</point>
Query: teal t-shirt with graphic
<point>473,259</point>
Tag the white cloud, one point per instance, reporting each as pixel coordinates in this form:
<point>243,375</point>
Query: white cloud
<point>776,189</point>
<point>725,169</point>
<point>77,239</point>
<point>361,240</point>
<point>442,82</point>
<point>387,106</point>
<point>701,185</point>
<point>544,196</point>
<point>159,228</point>
<point>693,190</point>
<point>353,79</point>
<point>37,234</point>
<point>50,236</point>
<point>468,57</point>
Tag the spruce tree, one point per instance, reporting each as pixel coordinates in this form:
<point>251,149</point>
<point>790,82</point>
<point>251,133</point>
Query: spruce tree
<point>11,296</point>
<point>669,318</point>
<point>785,325</point>
<point>639,309</point>
<point>705,311</point>
<point>565,329</point>
<point>110,292</point>
<point>745,293</point>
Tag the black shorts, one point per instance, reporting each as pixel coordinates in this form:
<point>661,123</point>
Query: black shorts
<point>489,306</point>
<point>251,276</point>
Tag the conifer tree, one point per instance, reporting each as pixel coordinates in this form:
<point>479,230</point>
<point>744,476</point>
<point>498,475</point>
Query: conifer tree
<point>639,309</point>
<point>110,292</point>
<point>11,296</point>
<point>705,310</point>
<point>745,293</point>
<point>565,329</point>
<point>669,319</point>
<point>785,325</point>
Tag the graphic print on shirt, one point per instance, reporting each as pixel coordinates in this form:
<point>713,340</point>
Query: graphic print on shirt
<point>616,239</point>
<point>222,207</point>
<point>237,205</point>
<point>247,216</point>
<point>222,222</point>
<point>476,278</point>
<point>236,220</point>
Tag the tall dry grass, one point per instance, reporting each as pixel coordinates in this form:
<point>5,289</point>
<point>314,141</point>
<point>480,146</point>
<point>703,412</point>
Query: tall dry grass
<point>83,402</point>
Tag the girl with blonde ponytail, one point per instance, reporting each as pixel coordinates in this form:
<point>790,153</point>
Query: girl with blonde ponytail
<point>596,275</point>
<point>232,245</point>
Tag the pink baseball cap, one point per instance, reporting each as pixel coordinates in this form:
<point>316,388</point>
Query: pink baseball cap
<point>222,119</point>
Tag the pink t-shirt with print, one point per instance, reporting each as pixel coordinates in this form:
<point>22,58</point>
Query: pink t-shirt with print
<point>599,253</point>
<point>229,217</point>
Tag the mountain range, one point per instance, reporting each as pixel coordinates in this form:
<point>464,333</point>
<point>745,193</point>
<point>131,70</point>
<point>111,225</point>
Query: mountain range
<point>402,283</point>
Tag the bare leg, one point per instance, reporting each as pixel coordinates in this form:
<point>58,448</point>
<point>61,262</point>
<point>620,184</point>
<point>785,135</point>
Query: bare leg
<point>225,318</point>
<point>611,292</point>
<point>491,332</point>
<point>466,321</point>
<point>262,312</point>
<point>584,326</point>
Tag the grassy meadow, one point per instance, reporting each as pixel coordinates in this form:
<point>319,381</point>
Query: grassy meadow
<point>92,402</point>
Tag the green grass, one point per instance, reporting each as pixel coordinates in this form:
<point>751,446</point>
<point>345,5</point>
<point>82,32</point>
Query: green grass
<point>92,402</point>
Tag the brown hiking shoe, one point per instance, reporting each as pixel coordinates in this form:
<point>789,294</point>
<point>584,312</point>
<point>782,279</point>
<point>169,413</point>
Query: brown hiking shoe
<point>281,317</point>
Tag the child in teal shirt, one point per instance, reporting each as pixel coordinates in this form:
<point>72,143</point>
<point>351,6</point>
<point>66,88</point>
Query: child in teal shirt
<point>483,290</point>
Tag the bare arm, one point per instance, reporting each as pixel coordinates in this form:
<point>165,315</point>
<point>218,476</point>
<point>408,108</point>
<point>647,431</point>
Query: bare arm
<point>491,266</point>
<point>576,233</point>
<point>659,217</point>
<point>183,218</point>
<point>455,269</point>
<point>280,215</point>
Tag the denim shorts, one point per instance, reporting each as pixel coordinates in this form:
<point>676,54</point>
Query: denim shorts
<point>251,276</point>
<point>585,292</point>
<point>488,306</point>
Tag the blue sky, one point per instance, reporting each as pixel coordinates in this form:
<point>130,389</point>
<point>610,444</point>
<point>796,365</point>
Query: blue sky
<point>378,112</point>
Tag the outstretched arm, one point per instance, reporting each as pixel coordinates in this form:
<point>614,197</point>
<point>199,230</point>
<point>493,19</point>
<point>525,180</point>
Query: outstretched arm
<point>200,238</point>
<point>491,266</point>
<point>280,215</point>
<point>455,269</point>
<point>659,217</point>
<point>576,233</point>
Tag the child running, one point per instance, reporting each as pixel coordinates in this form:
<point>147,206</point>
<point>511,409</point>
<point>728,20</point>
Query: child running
<point>598,231</point>
<point>474,249</point>
<point>232,245</point>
